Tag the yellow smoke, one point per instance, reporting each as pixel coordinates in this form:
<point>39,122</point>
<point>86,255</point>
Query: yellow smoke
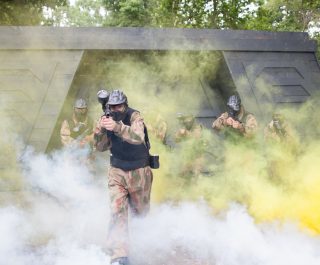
<point>275,182</point>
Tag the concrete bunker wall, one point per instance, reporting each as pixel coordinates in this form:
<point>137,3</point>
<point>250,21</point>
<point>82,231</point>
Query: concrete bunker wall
<point>33,87</point>
<point>97,71</point>
<point>265,81</point>
<point>42,69</point>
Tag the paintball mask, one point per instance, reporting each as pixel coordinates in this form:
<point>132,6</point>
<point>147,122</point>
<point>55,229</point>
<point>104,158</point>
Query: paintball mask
<point>80,114</point>
<point>118,115</point>
<point>277,120</point>
<point>186,121</point>
<point>118,98</point>
<point>234,105</point>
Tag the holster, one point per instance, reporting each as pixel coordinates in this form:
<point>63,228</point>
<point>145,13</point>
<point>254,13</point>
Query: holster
<point>154,161</point>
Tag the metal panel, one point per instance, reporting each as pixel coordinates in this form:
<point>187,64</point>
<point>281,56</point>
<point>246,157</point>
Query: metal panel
<point>267,80</point>
<point>33,87</point>
<point>38,65</point>
<point>152,39</point>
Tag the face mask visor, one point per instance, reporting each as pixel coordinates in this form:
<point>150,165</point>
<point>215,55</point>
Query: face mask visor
<point>80,114</point>
<point>118,112</point>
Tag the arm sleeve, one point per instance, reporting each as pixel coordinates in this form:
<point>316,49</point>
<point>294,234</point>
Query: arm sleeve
<point>101,141</point>
<point>65,137</point>
<point>218,124</point>
<point>251,125</point>
<point>133,134</point>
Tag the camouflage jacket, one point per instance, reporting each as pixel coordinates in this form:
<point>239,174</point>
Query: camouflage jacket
<point>159,128</point>
<point>133,134</point>
<point>248,122</point>
<point>85,136</point>
<point>285,134</point>
<point>184,133</point>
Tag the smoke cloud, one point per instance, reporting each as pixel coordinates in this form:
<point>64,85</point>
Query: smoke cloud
<point>214,201</point>
<point>64,215</point>
<point>271,179</point>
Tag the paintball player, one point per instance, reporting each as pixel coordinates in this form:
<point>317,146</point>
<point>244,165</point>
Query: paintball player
<point>159,129</point>
<point>278,129</point>
<point>191,145</point>
<point>130,176</point>
<point>188,128</point>
<point>78,129</point>
<point>282,148</point>
<point>236,118</point>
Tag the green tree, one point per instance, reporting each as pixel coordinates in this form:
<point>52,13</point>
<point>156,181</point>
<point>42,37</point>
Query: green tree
<point>25,12</point>
<point>235,14</point>
<point>286,15</point>
<point>124,13</point>
<point>166,13</point>
<point>82,13</point>
<point>203,13</point>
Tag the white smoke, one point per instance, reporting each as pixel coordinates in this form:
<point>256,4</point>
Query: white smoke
<point>63,217</point>
<point>64,214</point>
<point>190,231</point>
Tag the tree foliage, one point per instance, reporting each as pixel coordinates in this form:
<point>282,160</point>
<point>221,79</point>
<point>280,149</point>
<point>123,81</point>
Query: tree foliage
<point>188,13</point>
<point>274,15</point>
<point>124,13</point>
<point>82,13</point>
<point>25,12</point>
<point>287,15</point>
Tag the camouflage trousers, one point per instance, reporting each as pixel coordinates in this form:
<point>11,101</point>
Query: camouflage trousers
<point>126,189</point>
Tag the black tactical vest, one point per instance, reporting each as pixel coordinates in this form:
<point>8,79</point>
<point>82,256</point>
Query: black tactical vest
<point>128,156</point>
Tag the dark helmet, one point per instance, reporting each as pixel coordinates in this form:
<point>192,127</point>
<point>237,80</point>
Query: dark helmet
<point>80,103</point>
<point>117,97</point>
<point>80,109</point>
<point>234,103</point>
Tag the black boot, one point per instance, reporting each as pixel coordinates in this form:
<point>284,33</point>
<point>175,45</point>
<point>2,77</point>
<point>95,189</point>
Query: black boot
<point>120,261</point>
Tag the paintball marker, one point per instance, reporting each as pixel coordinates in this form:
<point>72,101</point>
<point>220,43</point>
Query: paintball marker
<point>233,115</point>
<point>107,112</point>
<point>81,139</point>
<point>82,135</point>
<point>79,127</point>
<point>103,97</point>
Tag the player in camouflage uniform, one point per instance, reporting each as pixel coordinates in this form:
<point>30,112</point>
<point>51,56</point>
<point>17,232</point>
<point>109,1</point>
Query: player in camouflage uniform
<point>188,128</point>
<point>189,140</point>
<point>130,176</point>
<point>282,147</point>
<point>78,129</point>
<point>159,128</point>
<point>278,129</point>
<point>236,119</point>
